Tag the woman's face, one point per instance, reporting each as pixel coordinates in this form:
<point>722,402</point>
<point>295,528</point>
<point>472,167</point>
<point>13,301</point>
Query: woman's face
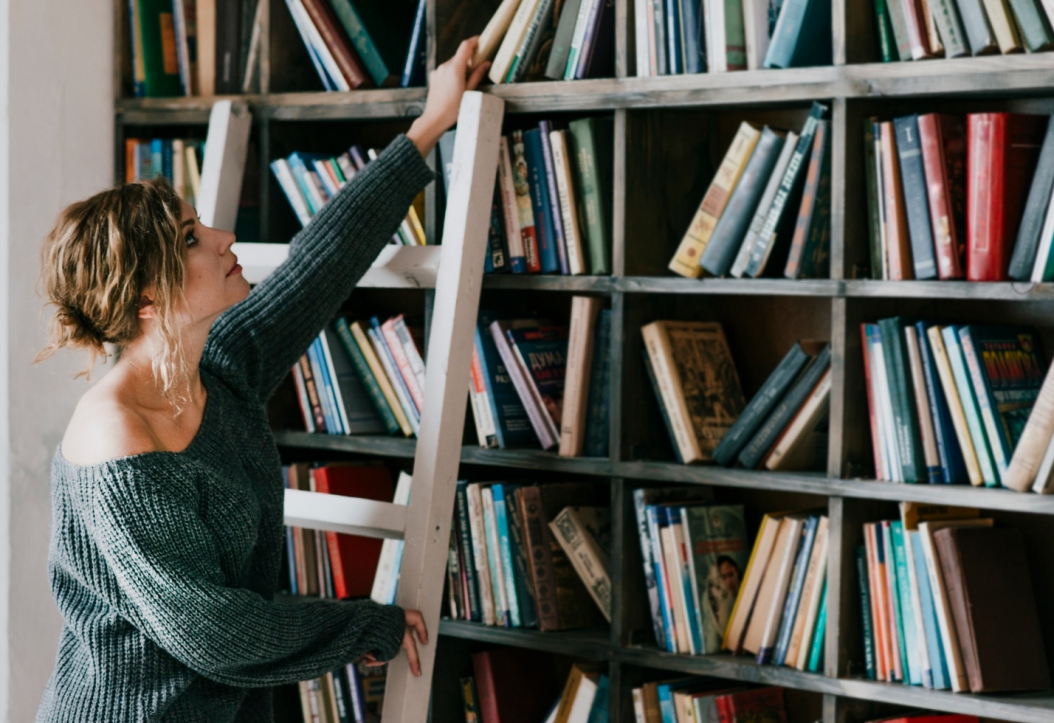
<point>214,277</point>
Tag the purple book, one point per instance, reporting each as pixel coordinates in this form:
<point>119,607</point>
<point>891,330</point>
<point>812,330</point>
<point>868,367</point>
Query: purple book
<point>554,199</point>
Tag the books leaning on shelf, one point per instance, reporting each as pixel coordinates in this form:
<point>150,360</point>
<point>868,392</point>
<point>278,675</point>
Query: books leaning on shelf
<point>947,603</point>
<point>949,199</point>
<point>362,378</point>
<point>547,39</point>
<point>552,210</point>
<point>958,28</point>
<point>177,160</point>
<point>530,556</point>
<point>309,180</point>
<point>949,404</point>
<point>707,699</point>
<point>354,693</point>
<point>696,36</point>
<point>497,692</point>
<point>767,211</point>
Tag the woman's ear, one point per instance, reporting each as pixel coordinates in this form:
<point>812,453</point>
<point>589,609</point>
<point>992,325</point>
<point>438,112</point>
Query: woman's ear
<point>146,306</point>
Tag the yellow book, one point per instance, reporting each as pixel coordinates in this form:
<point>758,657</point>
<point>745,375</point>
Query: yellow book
<point>415,224</point>
<point>382,379</point>
<point>686,261</point>
<point>1003,26</point>
<point>955,407</point>
<point>748,588</point>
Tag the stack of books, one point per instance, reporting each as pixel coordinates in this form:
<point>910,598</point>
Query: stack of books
<point>784,427</point>
<point>696,36</point>
<point>699,699</point>
<point>920,29</point>
<point>552,199</point>
<point>308,180</point>
<point>562,528</point>
<point>746,223</point>
<point>548,39</point>
<point>352,694</point>
<point>953,200</point>
<point>363,378</point>
<point>947,603</point>
<point>947,403</point>
<point>178,160</point>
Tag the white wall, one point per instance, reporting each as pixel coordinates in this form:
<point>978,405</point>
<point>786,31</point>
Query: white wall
<point>56,146</point>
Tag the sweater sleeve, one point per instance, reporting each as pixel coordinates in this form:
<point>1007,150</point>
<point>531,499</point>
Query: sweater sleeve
<point>261,338</point>
<point>171,586</point>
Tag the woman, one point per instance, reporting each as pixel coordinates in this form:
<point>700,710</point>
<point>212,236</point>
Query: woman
<point>167,488</point>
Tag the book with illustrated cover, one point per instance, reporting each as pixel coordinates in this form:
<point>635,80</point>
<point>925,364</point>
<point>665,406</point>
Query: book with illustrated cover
<point>716,537</point>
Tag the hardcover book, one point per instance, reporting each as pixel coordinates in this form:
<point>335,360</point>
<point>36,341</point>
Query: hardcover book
<point>716,536</point>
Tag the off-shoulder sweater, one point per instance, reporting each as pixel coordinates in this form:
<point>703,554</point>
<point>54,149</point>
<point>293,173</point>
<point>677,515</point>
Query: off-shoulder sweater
<point>164,565</point>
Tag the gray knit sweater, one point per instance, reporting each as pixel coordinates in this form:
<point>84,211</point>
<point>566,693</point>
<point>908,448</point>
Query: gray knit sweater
<point>164,565</point>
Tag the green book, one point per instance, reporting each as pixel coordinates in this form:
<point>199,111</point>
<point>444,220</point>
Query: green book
<point>1035,29</point>
<point>865,611</point>
<point>157,40</point>
<point>373,389</point>
<point>874,208</point>
<point>907,605</point>
<point>899,23</point>
<point>816,654</point>
<point>716,536</point>
<point>592,141</point>
<point>902,396</point>
<point>886,41</point>
<point>565,29</point>
<point>887,561</point>
<point>380,32</point>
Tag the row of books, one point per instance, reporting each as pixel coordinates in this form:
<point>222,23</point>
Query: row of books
<point>355,44</point>
<point>362,378</point>
<point>352,694</point>
<point>338,566</point>
<point>548,39</point>
<point>950,200</point>
<point>702,700</point>
<point>947,603</point>
<point>920,29</point>
<point>696,36</point>
<point>496,693</point>
<point>552,199</point>
<point>746,225</point>
<point>309,180</point>
<point>539,384</point>
<point>949,403</point>
<point>178,160</point>
<point>530,556</point>
<point>705,413</point>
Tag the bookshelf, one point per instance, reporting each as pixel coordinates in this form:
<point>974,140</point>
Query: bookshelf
<point>670,133</point>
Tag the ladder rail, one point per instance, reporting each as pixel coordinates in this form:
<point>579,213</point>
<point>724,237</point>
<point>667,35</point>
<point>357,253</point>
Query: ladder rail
<point>438,452</point>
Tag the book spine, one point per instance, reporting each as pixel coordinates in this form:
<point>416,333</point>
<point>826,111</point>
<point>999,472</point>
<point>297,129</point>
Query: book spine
<point>592,142</point>
<point>642,42</point>
<point>588,560</point>
<point>762,211</point>
<point>905,415</point>
<point>136,36</point>
<point>1033,25</point>
<point>915,22</point>
<point>576,380</point>
<point>1004,26</point>
<point>479,555</point>
<point>661,357</point>
<point>884,405</point>
<point>363,43</point>
<point>311,385</point>
<point>369,354</point>
<point>785,35</point>
<point>565,28</point>
<point>816,655</point>
<point>510,209</point>
<point>872,401</point>
<point>598,408</point>
<point>407,373</point>
<point>521,565</point>
<point>1032,221</point>
<point>543,575</point>
<point>986,403</point>
<point>157,42</point>
<point>395,380</point>
<point>916,205</point>
<point>524,204</point>
<point>949,25</point>
<point>585,8</point>
<point>874,209</point>
<point>905,599</point>
<point>662,580</point>
<point>326,25</point>
<point>969,404</point>
<point>951,460</point>
<point>900,28</point>
<point>1034,441</point>
<point>302,398</point>
<point>504,554</point>
<point>640,504</point>
<point>493,558</point>
<point>934,473</point>
<point>986,139</point>
<point>559,235</point>
<point>955,407</point>
<point>899,244</point>
<point>794,592</point>
<point>934,646</point>
<point>672,576</point>
<point>936,166</point>
<point>478,398</point>
<point>539,193</point>
<point>464,529</point>
<point>365,374</point>
<point>575,249</point>
<point>693,53</point>
<point>518,375</point>
<point>324,387</point>
<point>813,213</point>
<point>413,68</point>
<point>892,594</point>
<point>886,41</point>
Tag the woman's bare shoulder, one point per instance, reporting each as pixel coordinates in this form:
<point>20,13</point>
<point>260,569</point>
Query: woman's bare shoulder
<point>105,426</point>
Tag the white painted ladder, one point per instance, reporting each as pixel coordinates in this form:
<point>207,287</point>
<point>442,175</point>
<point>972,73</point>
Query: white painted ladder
<point>424,525</point>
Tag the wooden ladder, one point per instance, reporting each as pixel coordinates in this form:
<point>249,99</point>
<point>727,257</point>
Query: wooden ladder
<point>424,525</point>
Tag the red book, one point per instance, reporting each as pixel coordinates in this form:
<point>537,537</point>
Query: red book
<point>514,685</point>
<point>760,705</point>
<point>899,243</point>
<point>1002,152</point>
<point>943,140</point>
<point>353,559</point>
<point>339,46</point>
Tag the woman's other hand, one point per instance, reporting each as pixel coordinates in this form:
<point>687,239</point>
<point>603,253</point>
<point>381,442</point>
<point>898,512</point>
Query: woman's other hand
<point>415,624</point>
<point>446,85</point>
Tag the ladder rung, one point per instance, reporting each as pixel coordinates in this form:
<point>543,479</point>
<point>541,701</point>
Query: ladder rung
<point>350,515</point>
<point>398,267</point>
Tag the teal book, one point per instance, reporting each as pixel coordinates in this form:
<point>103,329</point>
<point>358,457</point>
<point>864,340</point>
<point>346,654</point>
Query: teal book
<point>154,44</point>
<point>902,396</point>
<point>490,528</point>
<point>969,403</point>
<point>886,43</point>
<point>716,536</point>
<point>380,33</point>
<point>592,144</point>
<point>369,382</point>
<point>816,654</point>
<point>865,612</point>
<point>938,674</point>
<point>802,36</point>
<point>599,712</point>
<point>501,521</point>
<point>907,606</point>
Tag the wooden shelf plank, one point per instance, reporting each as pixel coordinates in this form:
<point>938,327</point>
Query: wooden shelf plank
<point>1003,290</point>
<point>1026,707</point>
<point>982,75</point>
<point>591,284</point>
<point>588,643</point>
<point>753,287</point>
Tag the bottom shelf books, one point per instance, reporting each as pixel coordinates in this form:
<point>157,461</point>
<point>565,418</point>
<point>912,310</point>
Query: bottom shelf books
<point>352,694</point>
<point>699,700</point>
<point>707,595</point>
<point>563,529</point>
<point>947,603</point>
<point>496,692</point>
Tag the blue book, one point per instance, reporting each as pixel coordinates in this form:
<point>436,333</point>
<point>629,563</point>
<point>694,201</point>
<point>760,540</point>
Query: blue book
<point>544,128</point>
<point>414,67</point>
<point>691,39</point>
<point>802,36</point>
<point>953,466</point>
<point>916,196</point>
<point>665,691</point>
<point>490,528</point>
<point>290,546</point>
<point>505,557</point>
<point>674,59</point>
<point>971,411</point>
<point>683,577</point>
<point>376,324</point>
<point>157,155</point>
<point>790,604</point>
<point>467,556</point>
<point>543,212</point>
<point>325,391</point>
<point>599,712</point>
<point>166,160</point>
<point>907,608</point>
<point>511,424</point>
<point>666,605</point>
<point>299,163</point>
<point>938,674</point>
<point>597,409</point>
<point>640,510</point>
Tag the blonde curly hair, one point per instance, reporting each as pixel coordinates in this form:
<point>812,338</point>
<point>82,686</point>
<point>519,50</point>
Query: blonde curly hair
<point>100,257</point>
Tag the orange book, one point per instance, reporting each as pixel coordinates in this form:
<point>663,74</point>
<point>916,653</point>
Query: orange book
<point>881,658</point>
<point>130,146</point>
<point>899,244</point>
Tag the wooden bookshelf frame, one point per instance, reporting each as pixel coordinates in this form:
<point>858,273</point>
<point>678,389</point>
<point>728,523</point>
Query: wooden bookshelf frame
<point>850,84</point>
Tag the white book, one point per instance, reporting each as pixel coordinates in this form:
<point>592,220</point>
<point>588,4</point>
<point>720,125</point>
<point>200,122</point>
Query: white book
<point>642,42</point>
<point>878,368</point>
<point>565,190</point>
<point>922,401</point>
<point>497,579</point>
<point>583,703</point>
<point>916,608</point>
<point>768,606</point>
<point>391,372</point>
<point>762,212</point>
<point>756,31</point>
<point>318,45</point>
<point>226,146</point>
<point>673,579</point>
<point>387,563</point>
<point>507,187</point>
<point>479,552</point>
<point>812,602</point>
<point>585,10</point>
<point>1044,483</point>
<point>638,702</point>
<point>580,340</point>
<point>1045,239</point>
<point>514,37</point>
<point>716,36</point>
<point>495,30</point>
<point>880,428</point>
<point>945,621</point>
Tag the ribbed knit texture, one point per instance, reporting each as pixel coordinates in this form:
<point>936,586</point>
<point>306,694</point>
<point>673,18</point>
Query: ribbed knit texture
<point>164,565</point>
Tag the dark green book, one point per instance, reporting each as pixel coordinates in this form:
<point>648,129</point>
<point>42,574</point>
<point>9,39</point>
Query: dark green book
<point>874,208</point>
<point>1035,28</point>
<point>565,30</point>
<point>157,41</point>
<point>536,45</point>
<point>380,33</point>
<point>362,368</point>
<point>728,235</point>
<point>1028,233</point>
<point>899,24</point>
<point>815,261</point>
<point>902,396</point>
<point>978,30</point>
<point>592,141</point>
<point>518,548</point>
<point>887,44</point>
<point>865,611</point>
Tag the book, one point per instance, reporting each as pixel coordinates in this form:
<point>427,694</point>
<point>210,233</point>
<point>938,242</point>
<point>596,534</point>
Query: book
<point>545,129</point>
<point>510,209</point>
<point>971,409</point>
<point>503,554</point>
<point>580,344</point>
<point>760,634</point>
<point>916,203</point>
<point>593,146</point>
<point>1007,34</point>
<point>702,403</point>
<point>491,614</point>
<point>949,450</point>
<point>526,64</point>
<point>336,42</point>
<point>716,541</point>
<point>1032,24</point>
<point>520,557</point>
<point>465,546</point>
<point>868,626</point>
<point>598,408</point>
<point>927,433</point>
<point>1033,441</point>
<point>1002,152</point>
<point>358,414</point>
<point>764,205</point>
<point>514,36</point>
<point>760,555</point>
<point>764,705</point>
<point>902,394</point>
<point>692,247</point>
<point>386,581</point>
<point>801,36</point>
<point>154,53</point>
<point>541,354</point>
<point>778,651</point>
<point>526,221</point>
<point>1027,244</point>
<point>950,27</point>
<point>978,28</point>
<point>943,141</point>
<point>502,604</point>
<point>910,644</point>
<point>577,529</point>
<point>416,53</point>
<point>990,595</point>
<point>809,255</point>
<point>380,35</point>
<point>898,246</point>
<point>544,221</point>
<point>499,676</point>
<point>938,668</point>
<point>577,262</point>
<point>367,367</point>
<point>565,28</point>
<point>813,590</point>
<point>803,443</point>
<point>494,31</point>
<point>956,409</point>
<point>512,427</point>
